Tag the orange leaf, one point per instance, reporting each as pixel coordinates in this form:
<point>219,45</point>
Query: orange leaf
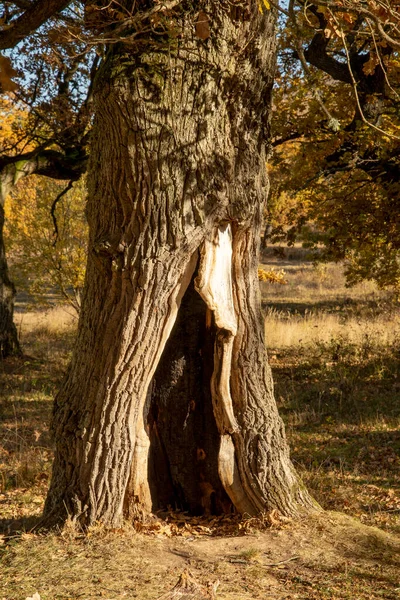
<point>6,73</point>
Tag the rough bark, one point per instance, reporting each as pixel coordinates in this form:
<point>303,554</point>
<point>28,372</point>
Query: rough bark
<point>168,399</point>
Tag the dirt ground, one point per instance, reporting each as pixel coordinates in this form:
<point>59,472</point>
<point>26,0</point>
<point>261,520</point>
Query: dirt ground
<point>328,556</point>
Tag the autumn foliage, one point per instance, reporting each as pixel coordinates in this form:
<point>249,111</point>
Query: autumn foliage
<point>335,168</point>
<point>43,261</point>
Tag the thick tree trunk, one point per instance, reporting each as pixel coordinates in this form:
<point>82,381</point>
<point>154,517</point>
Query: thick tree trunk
<point>169,397</point>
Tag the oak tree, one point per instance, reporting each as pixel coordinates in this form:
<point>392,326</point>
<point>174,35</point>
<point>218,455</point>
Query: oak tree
<point>169,397</point>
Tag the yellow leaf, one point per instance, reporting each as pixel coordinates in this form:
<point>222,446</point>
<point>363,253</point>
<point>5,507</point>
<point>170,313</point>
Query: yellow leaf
<point>264,3</point>
<point>272,276</point>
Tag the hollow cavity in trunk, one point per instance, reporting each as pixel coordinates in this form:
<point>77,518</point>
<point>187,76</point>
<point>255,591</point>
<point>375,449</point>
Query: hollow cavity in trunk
<point>184,438</point>
<point>189,408</point>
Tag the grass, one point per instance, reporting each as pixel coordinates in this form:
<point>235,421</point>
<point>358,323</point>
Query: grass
<point>330,559</point>
<point>27,389</point>
<point>336,364</point>
<point>335,358</point>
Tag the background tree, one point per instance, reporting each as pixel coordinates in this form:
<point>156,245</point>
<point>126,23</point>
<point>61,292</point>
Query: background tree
<point>54,94</point>
<point>337,154</point>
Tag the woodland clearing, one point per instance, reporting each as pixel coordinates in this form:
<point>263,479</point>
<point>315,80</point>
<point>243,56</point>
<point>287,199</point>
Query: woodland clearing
<point>335,357</point>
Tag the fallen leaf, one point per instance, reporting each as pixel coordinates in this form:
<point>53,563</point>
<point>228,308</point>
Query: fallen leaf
<point>202,27</point>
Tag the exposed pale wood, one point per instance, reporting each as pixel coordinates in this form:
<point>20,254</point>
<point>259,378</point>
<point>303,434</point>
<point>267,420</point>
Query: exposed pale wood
<point>214,284</point>
<point>230,477</point>
<point>214,281</point>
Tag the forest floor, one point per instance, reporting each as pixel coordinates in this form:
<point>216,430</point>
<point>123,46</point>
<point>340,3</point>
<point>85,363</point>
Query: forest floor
<point>335,355</point>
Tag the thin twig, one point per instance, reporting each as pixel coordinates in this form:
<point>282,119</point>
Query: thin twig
<point>241,561</point>
<point>281,562</point>
<point>381,60</point>
<point>53,210</point>
<point>354,82</point>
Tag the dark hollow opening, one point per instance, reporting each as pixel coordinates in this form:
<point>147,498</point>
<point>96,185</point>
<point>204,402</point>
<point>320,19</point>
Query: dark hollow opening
<point>184,440</point>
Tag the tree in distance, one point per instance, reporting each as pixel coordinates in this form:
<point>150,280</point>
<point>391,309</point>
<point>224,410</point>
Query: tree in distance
<point>47,240</point>
<point>335,169</point>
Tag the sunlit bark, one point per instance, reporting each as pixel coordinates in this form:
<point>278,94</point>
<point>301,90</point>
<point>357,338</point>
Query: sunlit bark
<point>169,397</point>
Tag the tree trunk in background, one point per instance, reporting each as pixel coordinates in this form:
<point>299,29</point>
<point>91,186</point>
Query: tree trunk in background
<point>9,344</point>
<point>169,397</point>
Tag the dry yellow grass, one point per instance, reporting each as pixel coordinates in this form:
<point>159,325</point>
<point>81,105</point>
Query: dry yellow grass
<point>314,283</point>
<point>316,306</point>
<point>27,388</point>
<point>55,320</point>
<point>335,353</point>
<point>47,333</point>
<point>285,330</point>
<point>329,558</point>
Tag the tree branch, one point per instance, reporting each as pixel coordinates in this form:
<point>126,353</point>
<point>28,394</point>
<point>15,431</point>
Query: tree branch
<point>53,209</point>
<point>33,17</point>
<point>49,163</point>
<point>278,141</point>
<point>316,55</point>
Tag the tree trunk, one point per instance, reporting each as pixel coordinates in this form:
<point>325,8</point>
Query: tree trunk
<point>169,397</point>
<point>9,344</point>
